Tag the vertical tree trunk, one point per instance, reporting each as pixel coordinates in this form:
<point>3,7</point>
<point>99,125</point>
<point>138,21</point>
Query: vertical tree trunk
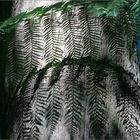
<point>67,88</point>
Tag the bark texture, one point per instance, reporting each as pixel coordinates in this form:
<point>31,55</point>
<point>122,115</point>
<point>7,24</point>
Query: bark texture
<point>80,35</point>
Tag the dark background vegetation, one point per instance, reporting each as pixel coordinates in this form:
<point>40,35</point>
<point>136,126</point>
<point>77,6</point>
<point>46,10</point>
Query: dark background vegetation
<point>5,13</point>
<point>5,9</point>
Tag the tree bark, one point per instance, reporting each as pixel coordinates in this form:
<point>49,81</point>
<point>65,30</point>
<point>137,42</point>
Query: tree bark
<point>129,64</point>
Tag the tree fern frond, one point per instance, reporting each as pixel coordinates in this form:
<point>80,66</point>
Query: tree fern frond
<point>129,76</point>
<point>128,117</point>
<point>72,31</point>
<point>133,88</point>
<point>128,108</point>
<point>73,103</point>
<point>97,106</point>
<point>58,36</point>
<point>96,35</point>
<point>55,67</point>
<point>114,81</point>
<point>48,39</point>
<point>130,30</point>
<point>61,6</point>
<point>15,64</point>
<point>113,130</point>
<point>19,56</point>
<point>54,107</point>
<point>35,132</point>
<point>23,105</point>
<point>33,44</point>
<point>17,102</point>
<point>68,30</point>
<point>39,102</point>
<point>39,106</point>
<point>41,74</point>
<point>135,9</point>
<point>53,37</point>
<point>10,75</point>
<point>87,39</point>
<point>69,41</point>
<point>27,108</point>
<point>114,37</point>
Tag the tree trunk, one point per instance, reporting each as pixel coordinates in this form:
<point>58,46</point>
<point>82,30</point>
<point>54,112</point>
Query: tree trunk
<point>68,88</point>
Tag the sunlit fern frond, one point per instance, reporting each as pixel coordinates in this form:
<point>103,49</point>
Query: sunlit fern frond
<point>87,37</point>
<point>58,34</point>
<point>69,40</point>
<point>72,31</point>
<point>53,37</point>
<point>48,39</point>
<point>33,44</point>
<point>32,53</point>
<point>95,34</point>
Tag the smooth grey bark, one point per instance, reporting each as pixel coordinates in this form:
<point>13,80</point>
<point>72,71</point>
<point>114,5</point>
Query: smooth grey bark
<point>61,132</point>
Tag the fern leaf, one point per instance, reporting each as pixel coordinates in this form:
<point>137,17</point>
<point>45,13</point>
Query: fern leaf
<point>73,44</point>
<point>24,112</point>
<point>48,39</point>
<point>114,37</point>
<point>95,35</point>
<point>73,95</point>
<point>87,39</point>
<point>53,38</point>
<point>39,106</point>
<point>10,74</point>
<point>33,44</point>
<point>19,56</point>
<point>97,106</point>
<point>113,90</point>
<point>128,117</point>
<point>54,106</point>
<point>15,67</point>
<point>128,108</point>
